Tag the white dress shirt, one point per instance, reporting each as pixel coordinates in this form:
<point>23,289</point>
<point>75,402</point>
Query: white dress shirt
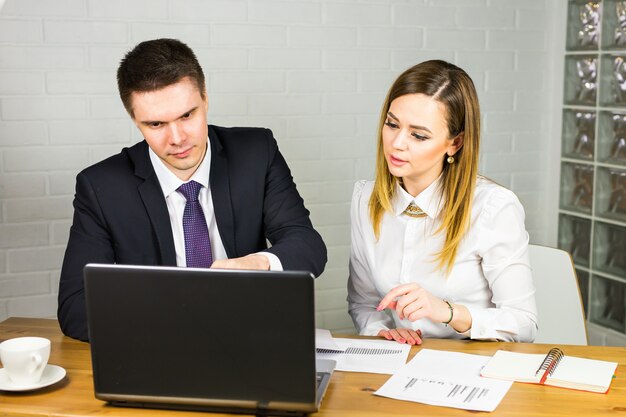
<point>491,275</point>
<point>176,207</point>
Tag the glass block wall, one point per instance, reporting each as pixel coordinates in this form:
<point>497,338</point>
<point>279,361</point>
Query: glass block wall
<point>592,202</point>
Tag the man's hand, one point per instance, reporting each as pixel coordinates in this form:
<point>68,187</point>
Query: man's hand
<point>254,261</point>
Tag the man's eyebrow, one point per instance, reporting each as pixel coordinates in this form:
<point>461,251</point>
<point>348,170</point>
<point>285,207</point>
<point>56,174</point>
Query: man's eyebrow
<point>394,117</point>
<point>188,111</point>
<point>149,122</point>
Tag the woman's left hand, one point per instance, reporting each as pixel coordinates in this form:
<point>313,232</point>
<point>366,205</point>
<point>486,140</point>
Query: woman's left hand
<point>413,303</point>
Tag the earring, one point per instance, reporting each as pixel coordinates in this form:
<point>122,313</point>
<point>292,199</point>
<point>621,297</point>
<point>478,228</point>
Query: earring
<point>450,159</point>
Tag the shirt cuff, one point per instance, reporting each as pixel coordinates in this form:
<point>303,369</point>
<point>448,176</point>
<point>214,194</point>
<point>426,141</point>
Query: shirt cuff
<point>489,325</point>
<point>371,322</point>
<point>373,330</point>
<point>275,264</point>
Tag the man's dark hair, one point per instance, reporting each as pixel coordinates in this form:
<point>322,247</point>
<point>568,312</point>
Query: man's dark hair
<point>156,64</point>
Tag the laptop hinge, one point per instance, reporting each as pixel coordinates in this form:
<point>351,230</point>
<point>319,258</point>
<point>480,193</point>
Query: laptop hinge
<point>262,408</point>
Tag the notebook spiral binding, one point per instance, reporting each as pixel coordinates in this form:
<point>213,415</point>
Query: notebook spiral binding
<point>550,362</point>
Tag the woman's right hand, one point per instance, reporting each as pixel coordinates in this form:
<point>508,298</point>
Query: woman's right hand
<point>408,336</point>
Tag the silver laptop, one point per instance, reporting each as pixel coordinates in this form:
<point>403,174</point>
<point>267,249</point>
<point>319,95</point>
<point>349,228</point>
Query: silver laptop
<point>201,339</point>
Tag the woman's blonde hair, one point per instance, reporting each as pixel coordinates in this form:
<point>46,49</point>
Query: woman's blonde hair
<point>454,89</point>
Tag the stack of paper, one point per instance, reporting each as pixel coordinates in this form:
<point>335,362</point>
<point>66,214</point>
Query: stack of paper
<point>433,377</point>
<point>375,356</point>
<point>449,379</point>
<point>454,379</point>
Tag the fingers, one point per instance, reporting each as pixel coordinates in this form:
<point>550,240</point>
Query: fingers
<point>410,305</point>
<point>408,336</point>
<point>421,307</point>
<point>395,334</point>
<point>394,293</point>
<point>410,301</point>
<point>416,335</point>
<point>407,304</point>
<point>385,334</point>
<point>413,337</point>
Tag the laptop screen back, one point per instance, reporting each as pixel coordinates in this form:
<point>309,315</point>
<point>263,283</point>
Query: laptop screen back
<point>183,333</point>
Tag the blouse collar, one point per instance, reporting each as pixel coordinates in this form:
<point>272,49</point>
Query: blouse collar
<point>430,200</point>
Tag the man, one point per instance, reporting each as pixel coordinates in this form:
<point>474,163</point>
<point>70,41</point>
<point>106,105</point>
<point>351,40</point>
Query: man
<point>189,194</point>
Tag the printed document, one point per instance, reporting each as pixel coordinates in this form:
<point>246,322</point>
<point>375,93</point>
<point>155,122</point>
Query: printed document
<point>358,355</point>
<point>324,340</point>
<point>449,379</point>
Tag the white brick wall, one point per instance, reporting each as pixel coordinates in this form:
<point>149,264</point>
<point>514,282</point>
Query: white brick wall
<point>314,71</point>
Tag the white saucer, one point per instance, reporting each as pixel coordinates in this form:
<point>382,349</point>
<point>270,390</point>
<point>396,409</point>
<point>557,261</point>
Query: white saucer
<point>51,374</point>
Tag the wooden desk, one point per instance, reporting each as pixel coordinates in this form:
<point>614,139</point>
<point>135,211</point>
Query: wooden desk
<point>349,394</point>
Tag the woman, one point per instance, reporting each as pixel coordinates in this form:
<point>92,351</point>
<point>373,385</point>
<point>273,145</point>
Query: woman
<point>437,251</point>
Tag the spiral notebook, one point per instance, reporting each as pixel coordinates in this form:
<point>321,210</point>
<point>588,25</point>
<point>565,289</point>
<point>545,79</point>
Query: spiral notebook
<point>555,368</point>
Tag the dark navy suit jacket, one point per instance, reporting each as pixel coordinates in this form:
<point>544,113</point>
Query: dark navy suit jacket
<point>120,214</point>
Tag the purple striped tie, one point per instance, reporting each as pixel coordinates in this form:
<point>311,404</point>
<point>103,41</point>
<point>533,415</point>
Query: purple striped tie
<point>197,243</point>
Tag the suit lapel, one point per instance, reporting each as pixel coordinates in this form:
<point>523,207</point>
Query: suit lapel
<point>220,193</point>
<point>154,202</point>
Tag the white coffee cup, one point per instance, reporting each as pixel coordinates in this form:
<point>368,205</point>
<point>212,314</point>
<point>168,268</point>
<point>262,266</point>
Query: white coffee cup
<point>24,358</point>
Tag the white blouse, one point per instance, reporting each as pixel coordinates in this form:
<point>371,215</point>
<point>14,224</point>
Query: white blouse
<point>491,275</point>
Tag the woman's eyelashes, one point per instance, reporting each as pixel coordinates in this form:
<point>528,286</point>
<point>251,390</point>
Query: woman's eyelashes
<point>416,135</point>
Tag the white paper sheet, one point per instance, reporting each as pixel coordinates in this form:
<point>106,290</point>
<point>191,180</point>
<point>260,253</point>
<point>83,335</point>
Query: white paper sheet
<point>324,340</point>
<point>449,379</point>
<point>375,356</point>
